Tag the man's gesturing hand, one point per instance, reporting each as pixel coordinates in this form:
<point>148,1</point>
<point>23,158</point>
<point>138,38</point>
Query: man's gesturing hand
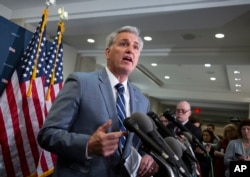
<point>103,143</point>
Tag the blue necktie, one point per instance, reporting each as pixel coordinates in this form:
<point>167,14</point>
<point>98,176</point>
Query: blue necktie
<point>120,106</point>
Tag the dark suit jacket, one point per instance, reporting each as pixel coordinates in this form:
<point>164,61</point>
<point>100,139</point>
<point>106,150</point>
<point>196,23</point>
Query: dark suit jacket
<point>85,103</point>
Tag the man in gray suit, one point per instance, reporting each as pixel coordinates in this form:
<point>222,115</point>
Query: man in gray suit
<point>82,127</point>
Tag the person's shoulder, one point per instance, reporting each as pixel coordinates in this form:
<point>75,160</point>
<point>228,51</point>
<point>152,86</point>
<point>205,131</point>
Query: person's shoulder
<point>236,142</point>
<point>192,126</point>
<point>82,75</point>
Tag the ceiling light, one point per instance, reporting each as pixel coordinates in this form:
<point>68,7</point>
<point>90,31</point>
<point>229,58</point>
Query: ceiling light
<point>237,79</point>
<point>167,77</point>
<point>207,65</point>
<point>148,38</point>
<point>236,72</point>
<point>91,40</point>
<point>219,35</point>
<point>237,85</point>
<point>212,78</point>
<point>238,90</point>
<point>153,64</point>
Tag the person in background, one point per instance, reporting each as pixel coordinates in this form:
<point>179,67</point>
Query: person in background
<point>163,120</point>
<point>208,138</point>
<point>183,113</point>
<point>229,133</point>
<point>206,159</point>
<point>195,121</point>
<point>211,127</point>
<point>239,149</point>
<point>83,129</point>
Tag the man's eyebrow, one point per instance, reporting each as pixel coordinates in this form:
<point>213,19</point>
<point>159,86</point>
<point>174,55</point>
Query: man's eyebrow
<point>128,40</point>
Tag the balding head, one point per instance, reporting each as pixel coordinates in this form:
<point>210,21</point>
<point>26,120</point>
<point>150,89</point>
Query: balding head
<point>183,111</point>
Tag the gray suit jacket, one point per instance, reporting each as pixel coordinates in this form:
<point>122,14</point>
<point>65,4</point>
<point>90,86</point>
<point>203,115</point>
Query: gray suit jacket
<point>85,103</point>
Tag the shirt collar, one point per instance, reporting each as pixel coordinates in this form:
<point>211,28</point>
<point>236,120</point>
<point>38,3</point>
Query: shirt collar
<point>114,80</point>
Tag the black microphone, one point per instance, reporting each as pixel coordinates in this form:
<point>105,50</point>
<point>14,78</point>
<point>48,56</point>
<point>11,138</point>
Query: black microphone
<point>175,145</point>
<point>184,129</point>
<point>183,152</point>
<point>189,148</point>
<point>132,126</point>
<point>147,126</point>
<point>162,129</point>
<point>180,149</point>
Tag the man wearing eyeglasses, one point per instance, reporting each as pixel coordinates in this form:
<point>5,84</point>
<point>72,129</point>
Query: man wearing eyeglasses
<point>182,113</point>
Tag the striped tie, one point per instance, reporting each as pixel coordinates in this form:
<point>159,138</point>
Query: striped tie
<point>120,106</point>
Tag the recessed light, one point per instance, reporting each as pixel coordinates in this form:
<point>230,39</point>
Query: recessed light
<point>237,85</point>
<point>238,90</point>
<point>237,79</point>
<point>207,65</point>
<point>236,72</point>
<point>153,64</point>
<point>212,78</point>
<point>219,35</point>
<point>167,77</point>
<point>91,40</point>
<point>148,38</point>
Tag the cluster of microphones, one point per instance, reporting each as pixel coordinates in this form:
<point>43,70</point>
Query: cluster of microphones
<point>175,155</point>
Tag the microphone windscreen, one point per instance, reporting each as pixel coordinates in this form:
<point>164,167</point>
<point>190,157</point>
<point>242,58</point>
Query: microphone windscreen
<point>130,124</point>
<point>143,121</point>
<point>174,145</point>
<point>169,115</point>
<point>188,135</point>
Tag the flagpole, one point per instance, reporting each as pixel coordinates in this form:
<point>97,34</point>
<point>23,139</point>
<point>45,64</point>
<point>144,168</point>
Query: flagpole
<point>52,79</point>
<point>34,72</point>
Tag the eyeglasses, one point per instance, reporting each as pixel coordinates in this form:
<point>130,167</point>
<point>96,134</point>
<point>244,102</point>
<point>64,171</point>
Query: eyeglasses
<point>181,111</point>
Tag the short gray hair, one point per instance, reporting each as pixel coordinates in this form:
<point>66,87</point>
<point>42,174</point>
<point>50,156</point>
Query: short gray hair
<point>131,29</point>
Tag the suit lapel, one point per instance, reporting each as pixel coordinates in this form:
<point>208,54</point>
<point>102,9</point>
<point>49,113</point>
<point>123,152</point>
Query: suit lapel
<point>108,97</point>
<point>133,102</point>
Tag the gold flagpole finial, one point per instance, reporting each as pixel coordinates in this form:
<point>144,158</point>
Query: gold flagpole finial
<point>63,14</point>
<point>50,2</point>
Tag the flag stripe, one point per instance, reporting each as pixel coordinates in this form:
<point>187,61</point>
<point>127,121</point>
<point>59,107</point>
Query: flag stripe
<point>18,133</point>
<point>31,122</point>
<point>9,168</point>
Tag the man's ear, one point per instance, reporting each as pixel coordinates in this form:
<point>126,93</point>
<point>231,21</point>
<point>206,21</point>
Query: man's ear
<point>107,53</point>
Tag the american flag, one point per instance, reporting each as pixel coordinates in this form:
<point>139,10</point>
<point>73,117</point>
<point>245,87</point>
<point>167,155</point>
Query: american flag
<point>53,84</point>
<point>22,109</point>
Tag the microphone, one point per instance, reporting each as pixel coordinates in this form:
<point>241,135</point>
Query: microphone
<point>176,146</point>
<point>147,125</point>
<point>184,130</point>
<point>192,138</point>
<point>132,126</point>
<point>161,128</point>
<point>189,148</point>
<point>181,150</point>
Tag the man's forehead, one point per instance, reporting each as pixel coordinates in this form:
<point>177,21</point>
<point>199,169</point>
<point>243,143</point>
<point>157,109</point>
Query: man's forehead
<point>126,36</point>
<point>181,106</point>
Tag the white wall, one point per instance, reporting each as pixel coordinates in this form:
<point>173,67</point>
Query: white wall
<point>69,60</point>
<point>5,12</point>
